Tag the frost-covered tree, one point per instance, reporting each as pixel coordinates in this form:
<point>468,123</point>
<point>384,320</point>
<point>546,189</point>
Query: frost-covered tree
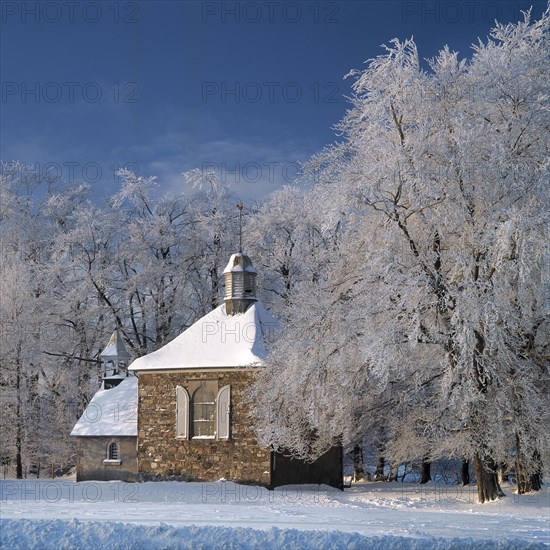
<point>143,262</point>
<point>287,240</point>
<point>30,327</point>
<point>215,234</point>
<point>430,317</point>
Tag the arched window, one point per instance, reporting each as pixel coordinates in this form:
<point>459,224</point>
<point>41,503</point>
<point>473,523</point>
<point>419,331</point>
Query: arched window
<point>203,413</point>
<point>112,452</point>
<point>203,416</point>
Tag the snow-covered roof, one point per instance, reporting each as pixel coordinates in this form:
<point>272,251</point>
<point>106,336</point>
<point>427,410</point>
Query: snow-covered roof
<point>216,340</point>
<point>111,412</point>
<point>115,348</point>
<point>239,262</point>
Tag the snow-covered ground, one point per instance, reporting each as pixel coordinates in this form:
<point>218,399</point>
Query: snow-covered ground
<point>65,514</point>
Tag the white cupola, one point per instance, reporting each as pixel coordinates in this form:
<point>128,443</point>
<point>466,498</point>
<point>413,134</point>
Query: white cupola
<point>114,361</point>
<point>240,284</point>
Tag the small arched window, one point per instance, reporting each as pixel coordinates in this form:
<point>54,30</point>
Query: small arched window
<point>203,412</point>
<point>112,452</point>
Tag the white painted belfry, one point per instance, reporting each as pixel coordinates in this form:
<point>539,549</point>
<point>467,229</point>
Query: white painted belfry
<point>115,349</point>
<point>114,361</point>
<point>240,283</point>
<point>223,403</point>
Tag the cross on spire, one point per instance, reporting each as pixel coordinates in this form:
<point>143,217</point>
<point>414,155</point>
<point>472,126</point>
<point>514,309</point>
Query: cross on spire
<point>240,206</point>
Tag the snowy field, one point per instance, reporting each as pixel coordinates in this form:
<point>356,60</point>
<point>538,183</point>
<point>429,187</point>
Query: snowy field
<point>62,514</point>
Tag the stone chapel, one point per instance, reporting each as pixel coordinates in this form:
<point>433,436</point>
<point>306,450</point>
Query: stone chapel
<point>182,411</point>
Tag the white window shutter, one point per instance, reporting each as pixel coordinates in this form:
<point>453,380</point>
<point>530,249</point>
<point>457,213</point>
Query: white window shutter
<point>182,413</point>
<point>223,402</point>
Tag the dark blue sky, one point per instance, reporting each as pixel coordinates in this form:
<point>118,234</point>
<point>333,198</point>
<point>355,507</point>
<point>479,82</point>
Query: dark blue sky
<point>245,89</point>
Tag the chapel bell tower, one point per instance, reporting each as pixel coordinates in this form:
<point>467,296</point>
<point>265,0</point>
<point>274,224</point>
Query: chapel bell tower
<point>114,362</point>
<point>240,278</point>
<point>240,284</point>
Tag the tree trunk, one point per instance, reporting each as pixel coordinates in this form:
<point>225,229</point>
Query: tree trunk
<point>536,478</point>
<point>380,463</point>
<point>33,438</point>
<point>358,469</point>
<point>405,472</point>
<point>536,481</point>
<point>19,419</point>
<point>425,473</point>
<point>465,471</point>
<point>83,387</point>
<point>18,459</point>
<point>522,478</point>
<point>486,476</point>
<point>527,480</point>
<point>214,298</point>
<point>392,476</point>
<point>503,472</point>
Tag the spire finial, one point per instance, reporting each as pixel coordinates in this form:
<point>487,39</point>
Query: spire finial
<point>240,206</point>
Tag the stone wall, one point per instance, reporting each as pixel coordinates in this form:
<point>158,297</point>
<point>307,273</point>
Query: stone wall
<point>92,451</point>
<point>161,455</point>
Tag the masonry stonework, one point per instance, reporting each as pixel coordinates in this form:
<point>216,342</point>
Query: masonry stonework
<point>161,455</point>
<point>91,455</point>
